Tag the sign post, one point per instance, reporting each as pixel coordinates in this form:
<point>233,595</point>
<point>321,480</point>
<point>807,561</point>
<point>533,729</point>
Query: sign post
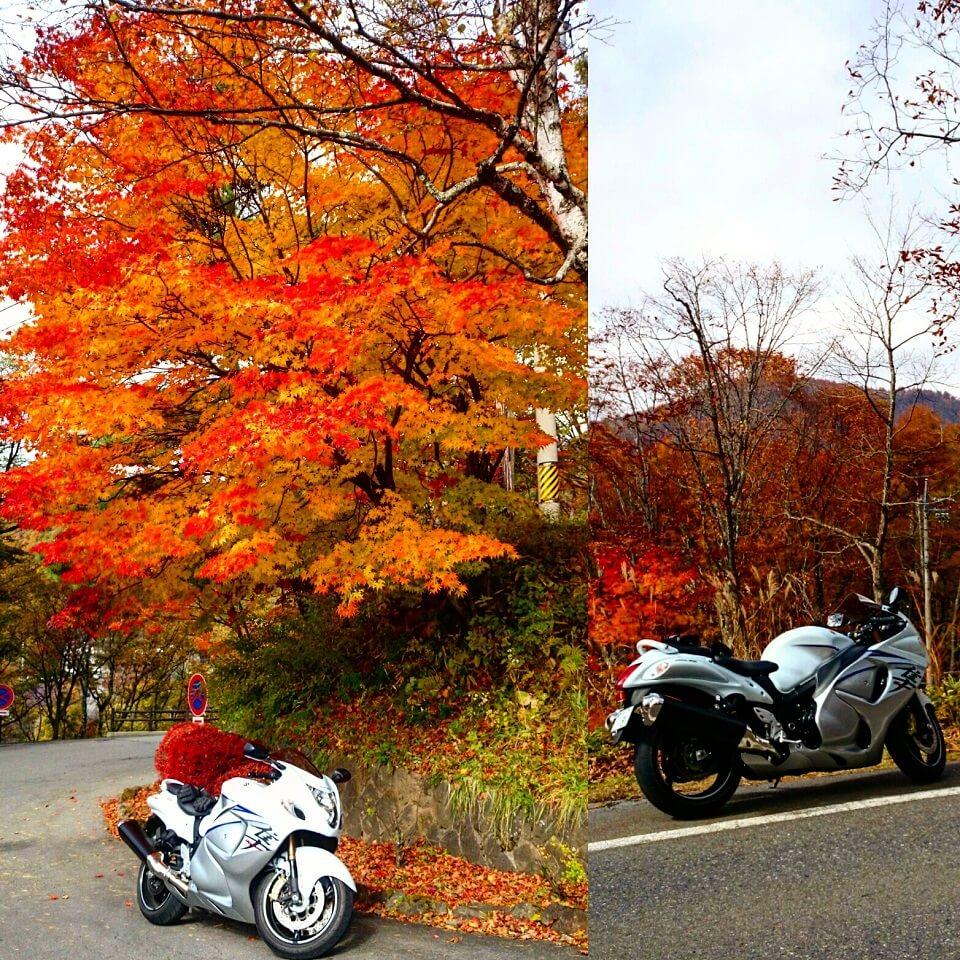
<point>197,697</point>
<point>7,696</point>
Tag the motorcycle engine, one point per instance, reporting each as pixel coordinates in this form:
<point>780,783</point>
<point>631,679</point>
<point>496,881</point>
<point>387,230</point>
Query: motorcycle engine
<point>799,723</point>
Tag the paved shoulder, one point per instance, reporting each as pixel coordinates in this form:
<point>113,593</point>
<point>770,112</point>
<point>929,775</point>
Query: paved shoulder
<point>865,867</point>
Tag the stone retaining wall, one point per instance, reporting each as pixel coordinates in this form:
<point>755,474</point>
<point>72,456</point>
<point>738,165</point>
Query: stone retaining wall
<point>389,803</point>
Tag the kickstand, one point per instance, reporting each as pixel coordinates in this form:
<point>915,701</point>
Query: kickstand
<point>775,783</point>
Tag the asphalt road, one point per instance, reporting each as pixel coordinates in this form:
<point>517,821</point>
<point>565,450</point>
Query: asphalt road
<point>67,889</point>
<point>868,883</point>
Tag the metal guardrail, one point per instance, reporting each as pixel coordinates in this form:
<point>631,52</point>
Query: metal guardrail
<point>153,719</point>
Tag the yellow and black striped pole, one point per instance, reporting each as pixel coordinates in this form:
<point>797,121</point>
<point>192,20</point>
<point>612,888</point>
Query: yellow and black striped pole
<point>548,470</point>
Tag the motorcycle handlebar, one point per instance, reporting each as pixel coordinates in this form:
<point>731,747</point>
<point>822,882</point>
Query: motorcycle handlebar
<point>864,632</point>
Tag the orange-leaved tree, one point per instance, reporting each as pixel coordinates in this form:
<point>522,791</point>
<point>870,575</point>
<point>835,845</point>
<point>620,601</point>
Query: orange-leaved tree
<point>263,363</point>
<point>440,101</point>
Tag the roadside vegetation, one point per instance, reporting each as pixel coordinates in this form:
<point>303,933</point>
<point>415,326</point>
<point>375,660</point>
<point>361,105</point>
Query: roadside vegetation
<point>485,691</point>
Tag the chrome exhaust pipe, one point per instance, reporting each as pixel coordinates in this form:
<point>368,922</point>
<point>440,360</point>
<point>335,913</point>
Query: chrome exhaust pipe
<point>752,742</point>
<point>133,836</point>
<point>155,863</point>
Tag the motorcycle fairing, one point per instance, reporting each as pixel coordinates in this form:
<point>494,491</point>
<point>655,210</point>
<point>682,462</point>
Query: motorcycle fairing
<point>858,691</point>
<point>694,670</point>
<point>239,837</point>
<point>854,708</point>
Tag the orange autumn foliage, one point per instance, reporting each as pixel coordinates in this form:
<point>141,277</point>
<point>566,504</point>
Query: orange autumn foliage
<point>252,357</point>
<point>809,494</point>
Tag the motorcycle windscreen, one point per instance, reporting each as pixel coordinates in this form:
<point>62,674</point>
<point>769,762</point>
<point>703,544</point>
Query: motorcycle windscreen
<point>296,758</point>
<point>856,609</point>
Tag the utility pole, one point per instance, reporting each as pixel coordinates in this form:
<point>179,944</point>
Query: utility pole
<point>508,462</point>
<point>925,510</point>
<point>548,470</point>
<point>924,506</point>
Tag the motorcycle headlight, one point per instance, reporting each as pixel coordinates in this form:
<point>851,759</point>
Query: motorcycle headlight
<point>328,803</point>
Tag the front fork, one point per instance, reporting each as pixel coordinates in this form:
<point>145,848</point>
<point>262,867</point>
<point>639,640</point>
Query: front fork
<point>292,866</point>
<point>927,713</point>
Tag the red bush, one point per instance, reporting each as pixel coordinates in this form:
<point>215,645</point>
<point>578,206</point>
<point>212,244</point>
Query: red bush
<point>200,754</point>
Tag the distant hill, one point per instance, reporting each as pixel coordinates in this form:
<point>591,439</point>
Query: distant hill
<point>945,405</point>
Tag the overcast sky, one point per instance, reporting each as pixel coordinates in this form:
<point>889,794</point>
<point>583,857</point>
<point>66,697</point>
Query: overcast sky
<point>709,123</point>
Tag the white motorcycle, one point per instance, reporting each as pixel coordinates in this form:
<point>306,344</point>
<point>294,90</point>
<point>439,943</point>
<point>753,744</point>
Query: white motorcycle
<point>821,698</point>
<point>262,853</point>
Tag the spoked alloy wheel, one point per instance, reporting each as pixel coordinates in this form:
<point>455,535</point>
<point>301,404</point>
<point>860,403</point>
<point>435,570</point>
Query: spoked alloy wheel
<point>305,933</point>
<point>915,741</point>
<point>684,775</point>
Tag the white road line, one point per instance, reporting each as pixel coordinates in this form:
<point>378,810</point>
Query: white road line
<point>598,846</point>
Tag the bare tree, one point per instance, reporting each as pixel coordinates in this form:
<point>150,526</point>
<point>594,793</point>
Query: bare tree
<point>886,331</point>
<point>127,672</point>
<point>702,368</point>
<point>904,98</point>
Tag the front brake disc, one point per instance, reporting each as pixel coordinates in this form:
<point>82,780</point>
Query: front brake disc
<point>294,919</point>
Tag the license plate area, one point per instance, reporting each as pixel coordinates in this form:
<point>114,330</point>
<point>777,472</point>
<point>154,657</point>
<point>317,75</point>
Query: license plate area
<point>621,720</point>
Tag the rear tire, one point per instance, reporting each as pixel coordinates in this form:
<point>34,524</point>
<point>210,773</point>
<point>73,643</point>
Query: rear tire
<point>282,940</point>
<point>662,749</point>
<point>156,902</point>
<point>920,755</point>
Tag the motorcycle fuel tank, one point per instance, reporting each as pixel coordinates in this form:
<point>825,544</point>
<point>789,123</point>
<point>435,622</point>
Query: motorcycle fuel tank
<point>799,653</point>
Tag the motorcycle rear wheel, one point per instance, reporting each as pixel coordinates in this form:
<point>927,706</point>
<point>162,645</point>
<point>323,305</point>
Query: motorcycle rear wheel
<point>920,754</point>
<point>663,763</point>
<point>287,942</point>
<point>156,902</point>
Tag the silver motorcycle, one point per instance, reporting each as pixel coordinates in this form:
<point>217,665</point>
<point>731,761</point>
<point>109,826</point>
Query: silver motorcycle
<point>820,698</point>
<point>263,852</point>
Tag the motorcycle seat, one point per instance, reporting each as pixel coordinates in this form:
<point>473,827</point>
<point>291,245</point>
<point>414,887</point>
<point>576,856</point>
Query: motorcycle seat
<point>749,668</point>
<point>192,800</point>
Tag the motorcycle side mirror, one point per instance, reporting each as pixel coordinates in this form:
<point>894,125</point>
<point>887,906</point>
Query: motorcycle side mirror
<point>253,752</point>
<point>893,601</point>
<point>340,775</point>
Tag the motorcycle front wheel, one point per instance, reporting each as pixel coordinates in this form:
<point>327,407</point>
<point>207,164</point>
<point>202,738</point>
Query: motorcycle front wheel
<point>915,741</point>
<point>684,775</point>
<point>307,935</point>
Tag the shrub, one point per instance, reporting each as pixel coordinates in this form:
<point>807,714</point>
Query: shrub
<point>483,690</point>
<point>946,698</point>
<point>202,755</point>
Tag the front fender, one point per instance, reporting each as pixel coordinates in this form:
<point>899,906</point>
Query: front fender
<point>314,863</point>
<point>927,706</point>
